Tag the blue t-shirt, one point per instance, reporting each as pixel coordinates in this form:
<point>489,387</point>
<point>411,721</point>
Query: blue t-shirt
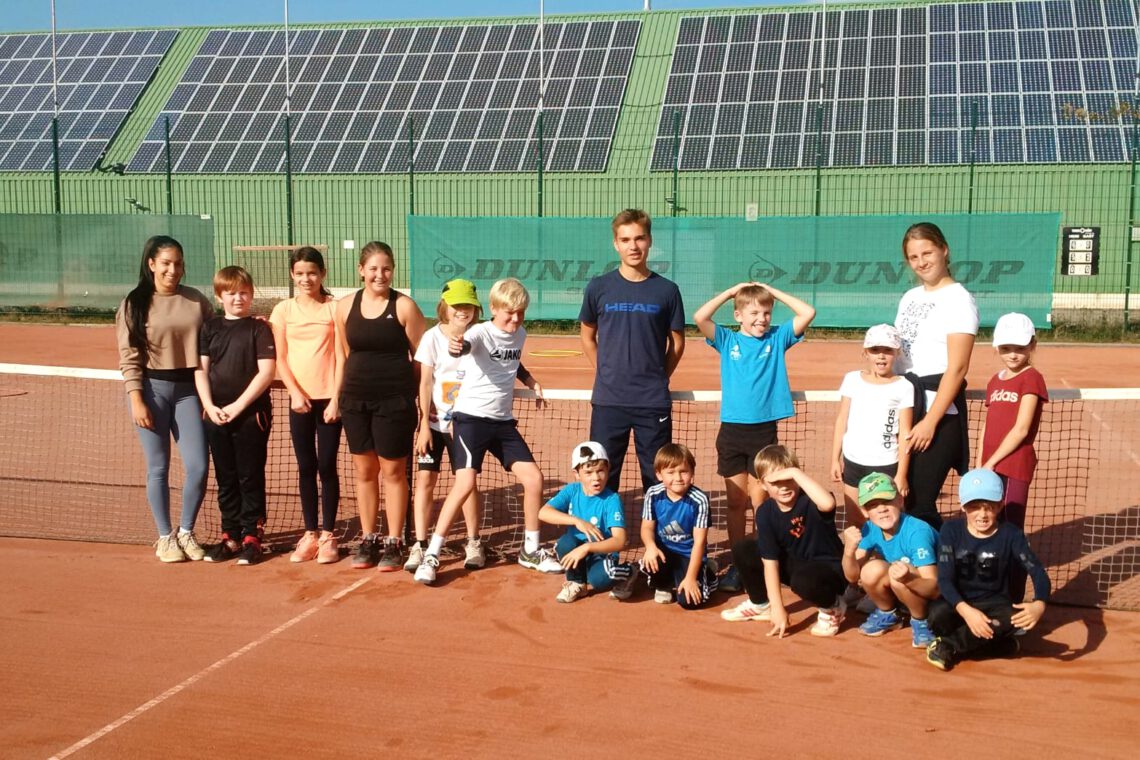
<point>915,542</point>
<point>634,320</point>
<point>603,511</point>
<point>753,376</point>
<point>676,520</point>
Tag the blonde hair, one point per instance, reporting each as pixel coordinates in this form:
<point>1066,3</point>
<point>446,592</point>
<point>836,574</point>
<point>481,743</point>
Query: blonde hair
<point>230,279</point>
<point>509,294</point>
<point>673,455</point>
<point>774,457</point>
<point>441,311</point>
<point>750,294</point>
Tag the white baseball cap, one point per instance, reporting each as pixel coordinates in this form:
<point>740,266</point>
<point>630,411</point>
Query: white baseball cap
<point>1013,329</point>
<point>882,335</point>
<point>588,451</point>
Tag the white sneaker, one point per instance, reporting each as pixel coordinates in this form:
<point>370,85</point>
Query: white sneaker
<point>829,620</point>
<point>747,610</point>
<point>661,596</point>
<point>541,560</point>
<point>571,590</point>
<point>415,557</point>
<point>425,573</point>
<point>189,546</point>
<point>475,555</point>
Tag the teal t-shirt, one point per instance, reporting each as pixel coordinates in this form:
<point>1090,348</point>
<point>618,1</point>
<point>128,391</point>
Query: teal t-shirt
<point>753,376</point>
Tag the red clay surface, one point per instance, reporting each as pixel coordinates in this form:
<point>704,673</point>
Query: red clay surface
<point>264,660</point>
<point>813,365</point>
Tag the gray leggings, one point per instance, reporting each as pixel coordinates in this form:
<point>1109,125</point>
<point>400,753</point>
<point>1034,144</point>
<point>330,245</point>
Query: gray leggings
<point>176,411</point>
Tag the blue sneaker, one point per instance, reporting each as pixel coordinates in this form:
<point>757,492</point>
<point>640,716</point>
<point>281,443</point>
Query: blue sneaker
<point>730,581</point>
<point>920,634</point>
<point>879,622</point>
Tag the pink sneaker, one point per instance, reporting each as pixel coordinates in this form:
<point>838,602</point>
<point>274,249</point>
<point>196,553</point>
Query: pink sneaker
<point>306,550</point>
<point>327,549</point>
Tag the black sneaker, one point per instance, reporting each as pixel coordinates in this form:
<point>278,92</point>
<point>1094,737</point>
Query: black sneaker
<point>250,551</point>
<point>223,551</point>
<point>940,654</point>
<point>367,554</point>
<point>391,557</point>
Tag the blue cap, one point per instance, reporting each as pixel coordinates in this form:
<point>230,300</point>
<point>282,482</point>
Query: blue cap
<point>980,484</point>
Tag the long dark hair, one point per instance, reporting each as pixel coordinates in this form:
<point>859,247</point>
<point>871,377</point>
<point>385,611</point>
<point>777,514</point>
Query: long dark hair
<point>139,299</point>
<point>310,255</point>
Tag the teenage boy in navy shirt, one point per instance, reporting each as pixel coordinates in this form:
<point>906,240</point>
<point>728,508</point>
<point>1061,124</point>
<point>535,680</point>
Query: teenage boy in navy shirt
<point>633,332</point>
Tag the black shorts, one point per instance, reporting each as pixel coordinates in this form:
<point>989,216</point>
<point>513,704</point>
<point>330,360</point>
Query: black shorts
<point>853,472</point>
<point>432,461</point>
<point>738,444</point>
<point>475,436</point>
<point>385,426</point>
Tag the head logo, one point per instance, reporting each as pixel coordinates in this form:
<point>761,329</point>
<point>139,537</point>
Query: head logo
<point>447,268</point>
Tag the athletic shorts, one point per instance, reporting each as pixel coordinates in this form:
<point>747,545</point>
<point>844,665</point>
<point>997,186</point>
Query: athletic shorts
<point>385,426</point>
<point>738,444</point>
<point>474,437</point>
<point>854,472</point>
<point>432,461</point>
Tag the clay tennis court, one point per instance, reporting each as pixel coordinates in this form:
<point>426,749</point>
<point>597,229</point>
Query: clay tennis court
<point>108,653</point>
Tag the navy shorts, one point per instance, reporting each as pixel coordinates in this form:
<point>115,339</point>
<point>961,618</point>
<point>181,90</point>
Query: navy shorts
<point>474,437</point>
<point>853,472</point>
<point>384,427</point>
<point>737,445</point>
<point>432,461</point>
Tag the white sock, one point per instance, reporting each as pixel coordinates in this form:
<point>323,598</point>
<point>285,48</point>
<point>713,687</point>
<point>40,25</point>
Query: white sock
<point>530,541</point>
<point>184,532</point>
<point>436,544</point>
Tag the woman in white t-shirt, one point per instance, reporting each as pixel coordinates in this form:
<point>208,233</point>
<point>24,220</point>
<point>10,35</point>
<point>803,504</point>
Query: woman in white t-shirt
<point>874,415</point>
<point>937,322</point>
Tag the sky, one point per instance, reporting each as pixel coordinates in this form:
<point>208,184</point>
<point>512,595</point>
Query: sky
<point>35,15</point>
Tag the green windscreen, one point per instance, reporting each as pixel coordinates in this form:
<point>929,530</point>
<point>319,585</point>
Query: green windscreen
<point>849,267</point>
<point>91,261</point>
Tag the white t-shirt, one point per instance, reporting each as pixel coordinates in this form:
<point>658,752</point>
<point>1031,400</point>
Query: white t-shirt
<point>872,436</point>
<point>925,318</point>
<point>489,371</point>
<point>446,376</point>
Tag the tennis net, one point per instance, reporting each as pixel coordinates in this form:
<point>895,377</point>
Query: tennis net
<point>71,468</point>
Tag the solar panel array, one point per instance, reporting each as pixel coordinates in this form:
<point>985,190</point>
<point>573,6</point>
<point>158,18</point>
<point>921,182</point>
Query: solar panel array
<point>100,76</point>
<point>1043,80</point>
<point>470,94</point>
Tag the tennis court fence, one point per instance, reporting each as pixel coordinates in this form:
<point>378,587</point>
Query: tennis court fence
<point>71,468</point>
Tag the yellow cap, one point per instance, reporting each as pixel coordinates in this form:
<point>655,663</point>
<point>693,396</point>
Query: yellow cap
<point>460,293</point>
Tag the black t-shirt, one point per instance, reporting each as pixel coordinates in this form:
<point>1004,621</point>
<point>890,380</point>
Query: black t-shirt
<point>802,533</point>
<point>973,569</point>
<point>234,346</point>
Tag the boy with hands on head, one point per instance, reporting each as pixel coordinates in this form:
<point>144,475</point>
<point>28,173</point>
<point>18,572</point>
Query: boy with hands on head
<point>595,526</point>
<point>894,558</point>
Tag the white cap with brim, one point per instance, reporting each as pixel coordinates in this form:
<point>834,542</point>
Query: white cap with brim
<point>882,336</point>
<point>586,452</point>
<point>1014,329</point>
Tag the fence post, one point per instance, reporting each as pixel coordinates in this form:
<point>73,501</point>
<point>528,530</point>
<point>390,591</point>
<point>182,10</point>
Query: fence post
<point>973,152</point>
<point>674,201</point>
<point>166,151</point>
<point>540,162</point>
<point>411,166</point>
<point>289,189</point>
<point>57,204</point>
<point>1131,226</point>
<point>818,153</point>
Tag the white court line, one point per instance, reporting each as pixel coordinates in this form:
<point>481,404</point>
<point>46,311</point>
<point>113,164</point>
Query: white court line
<point>1131,454</point>
<point>146,706</point>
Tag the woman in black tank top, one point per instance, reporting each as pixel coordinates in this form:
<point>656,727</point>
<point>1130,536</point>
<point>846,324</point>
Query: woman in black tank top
<point>379,331</point>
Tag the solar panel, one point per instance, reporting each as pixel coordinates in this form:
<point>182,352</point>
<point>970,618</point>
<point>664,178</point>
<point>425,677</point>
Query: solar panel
<point>101,75</point>
<point>470,92</point>
<point>1044,80</point>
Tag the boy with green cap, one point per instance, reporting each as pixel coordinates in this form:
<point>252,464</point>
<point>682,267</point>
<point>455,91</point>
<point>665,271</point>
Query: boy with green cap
<point>894,558</point>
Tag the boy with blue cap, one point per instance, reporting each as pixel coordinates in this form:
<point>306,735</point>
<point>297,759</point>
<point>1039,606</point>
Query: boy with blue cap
<point>975,616</point>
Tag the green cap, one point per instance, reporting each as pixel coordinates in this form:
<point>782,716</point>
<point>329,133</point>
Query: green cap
<point>874,487</point>
<point>460,293</point>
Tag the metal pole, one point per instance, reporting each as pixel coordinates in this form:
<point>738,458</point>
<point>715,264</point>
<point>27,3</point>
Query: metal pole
<point>818,155</point>
<point>411,166</point>
<point>169,182</point>
<point>1131,225</point>
<point>674,201</point>
<point>541,160</point>
<point>541,97</point>
<point>973,153</point>
<point>288,146</point>
<point>57,185</point>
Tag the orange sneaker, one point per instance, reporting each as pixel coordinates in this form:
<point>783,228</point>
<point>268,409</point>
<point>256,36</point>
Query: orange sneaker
<point>327,549</point>
<point>306,548</point>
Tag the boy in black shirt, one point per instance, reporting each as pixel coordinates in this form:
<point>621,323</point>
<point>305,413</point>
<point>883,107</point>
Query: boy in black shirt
<point>237,364</point>
<point>975,557</point>
<point>795,543</point>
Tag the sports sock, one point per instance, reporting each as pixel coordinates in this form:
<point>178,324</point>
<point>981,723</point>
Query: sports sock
<point>436,544</point>
<point>530,541</point>
<point>184,532</point>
